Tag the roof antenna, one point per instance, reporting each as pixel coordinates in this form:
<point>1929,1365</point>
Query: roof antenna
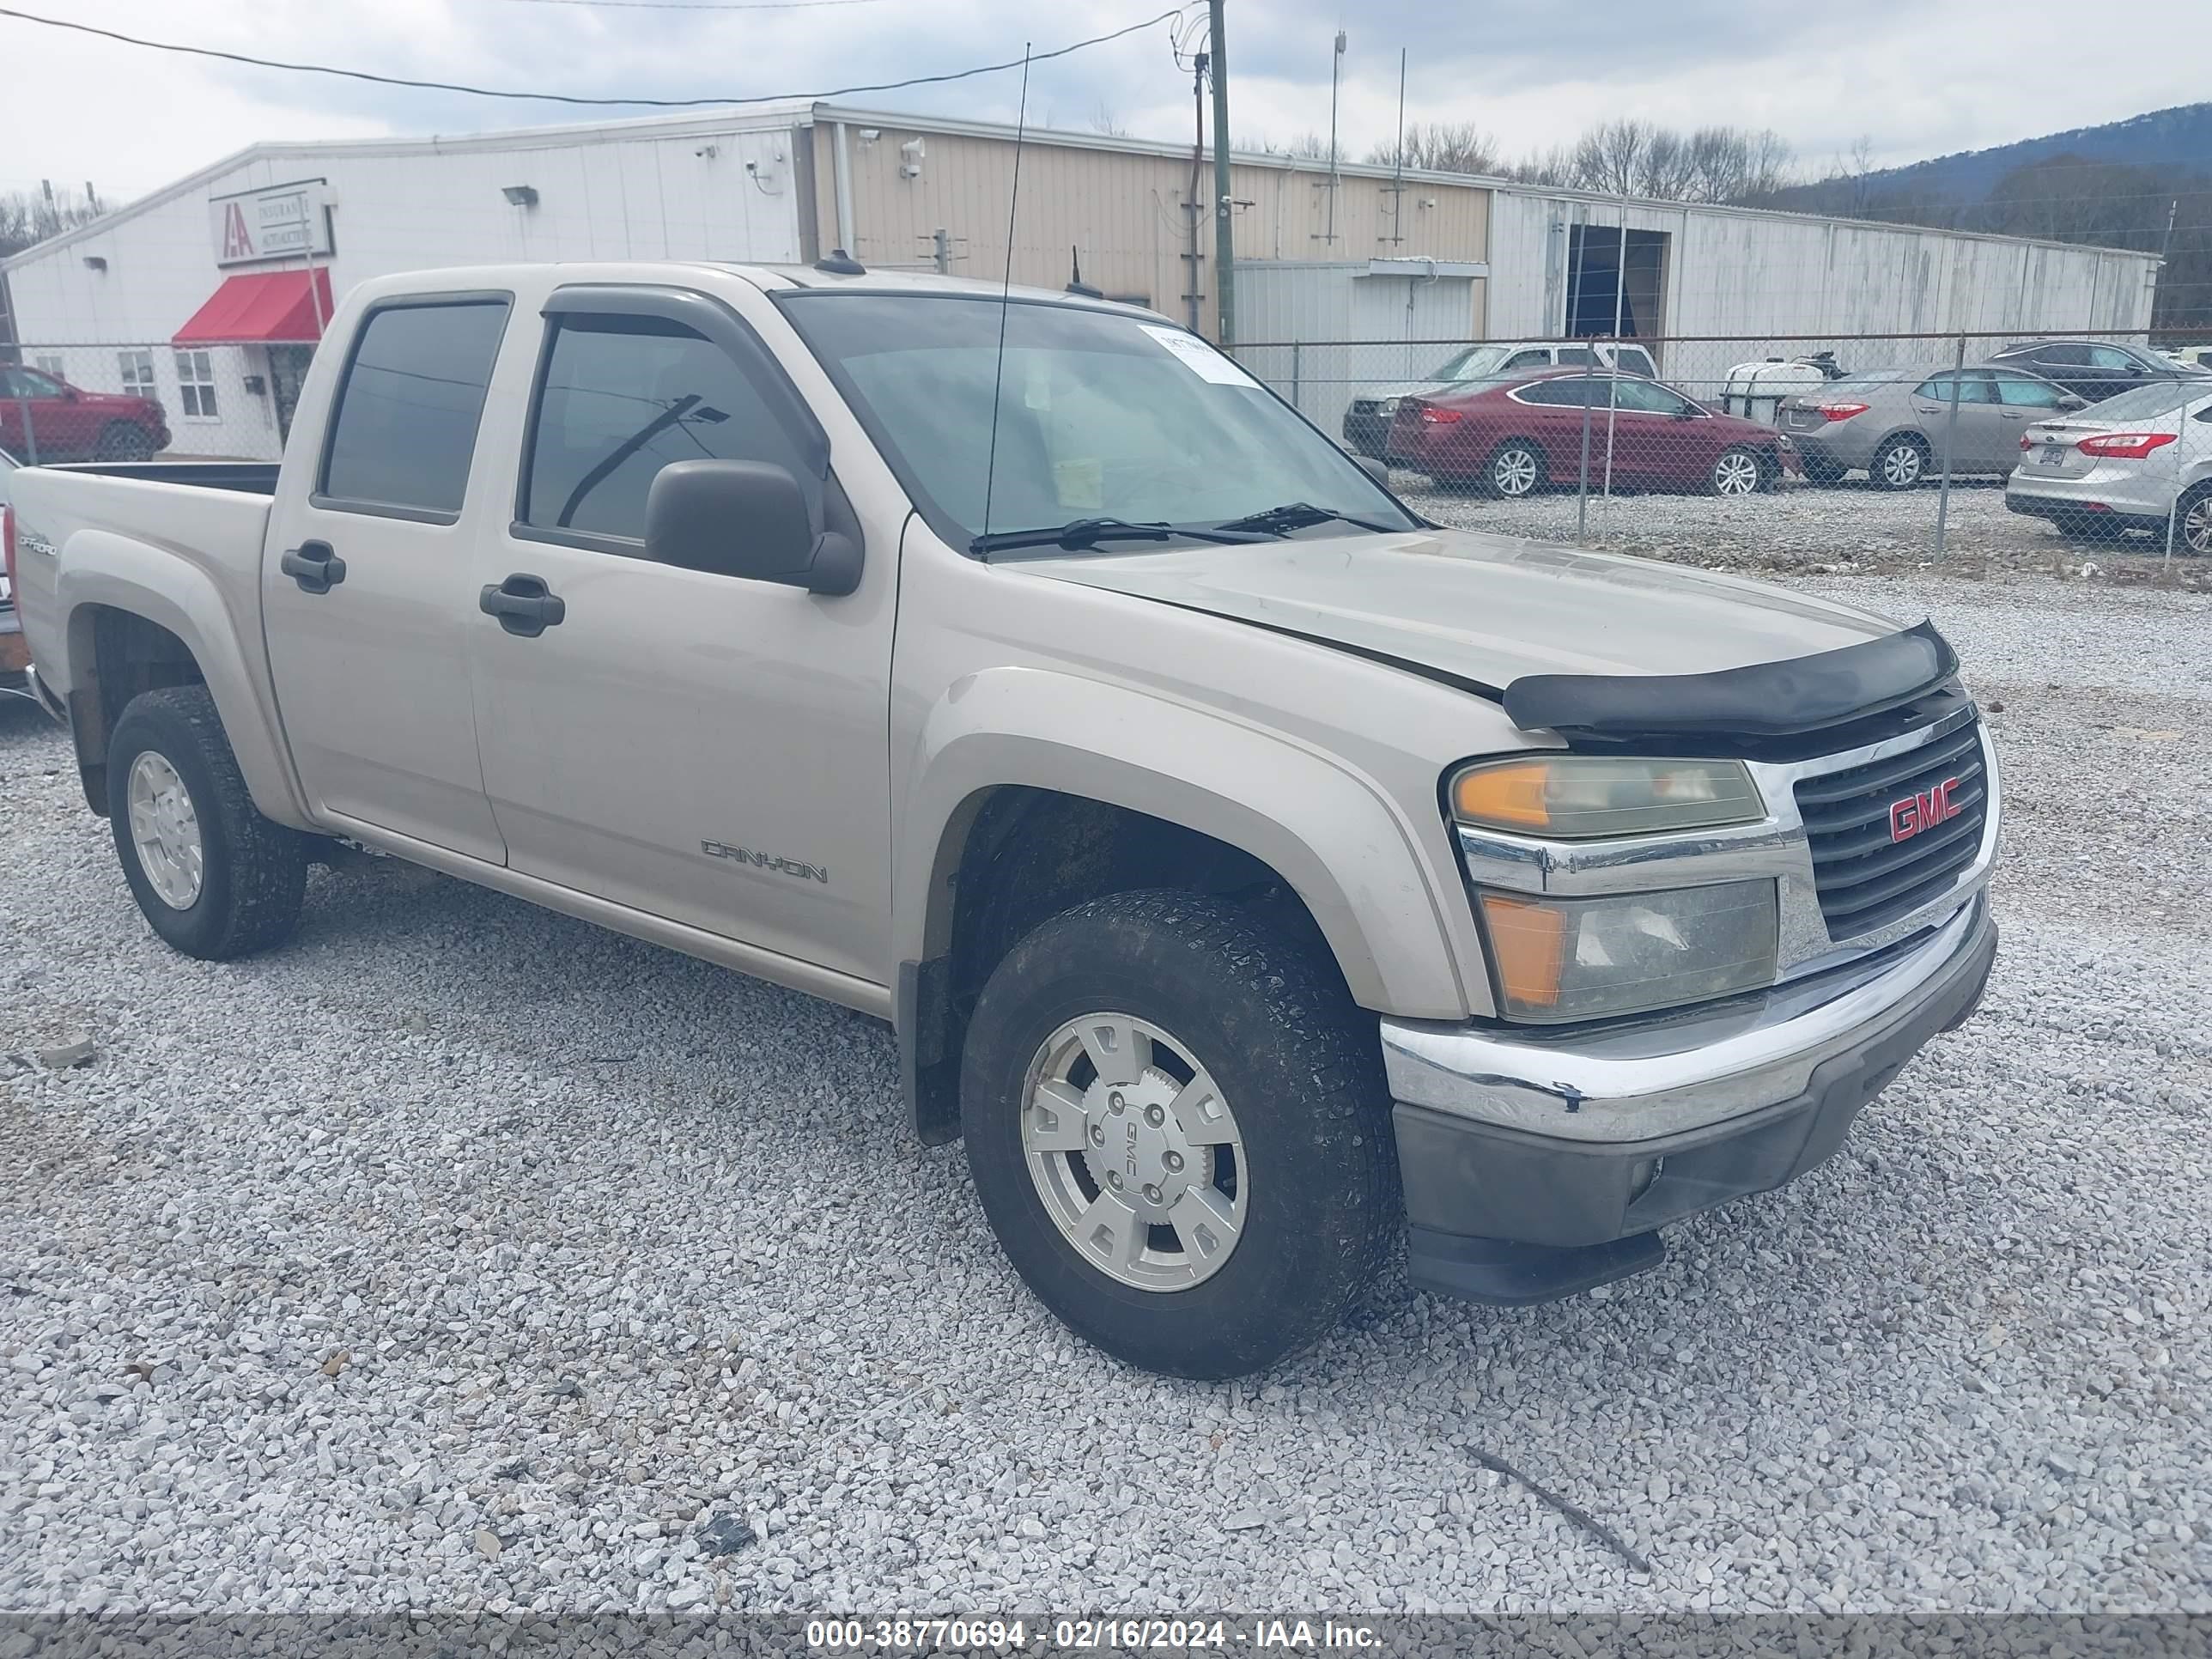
<point>1005,293</point>
<point>1075,283</point>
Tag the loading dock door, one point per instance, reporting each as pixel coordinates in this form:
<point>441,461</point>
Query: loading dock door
<point>1596,280</point>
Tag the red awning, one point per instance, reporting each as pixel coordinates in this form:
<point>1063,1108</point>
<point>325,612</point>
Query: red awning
<point>262,307</point>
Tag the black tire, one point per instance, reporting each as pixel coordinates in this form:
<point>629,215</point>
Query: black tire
<point>2192,528</point>
<point>253,872</point>
<point>1825,473</point>
<point>120,440</point>
<point>1890,468</point>
<point>1491,480</point>
<point>1268,1016</point>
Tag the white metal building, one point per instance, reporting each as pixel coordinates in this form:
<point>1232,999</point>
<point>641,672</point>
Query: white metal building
<point>211,293</point>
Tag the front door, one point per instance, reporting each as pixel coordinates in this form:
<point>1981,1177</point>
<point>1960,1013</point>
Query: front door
<point>369,587</point>
<point>42,420</point>
<point>702,748</point>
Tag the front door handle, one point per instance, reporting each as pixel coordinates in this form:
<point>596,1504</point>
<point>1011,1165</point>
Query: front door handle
<point>315,565</point>
<point>523,605</point>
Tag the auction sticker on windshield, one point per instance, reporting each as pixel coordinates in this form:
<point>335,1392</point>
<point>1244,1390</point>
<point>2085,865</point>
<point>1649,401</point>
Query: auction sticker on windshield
<point>1201,359</point>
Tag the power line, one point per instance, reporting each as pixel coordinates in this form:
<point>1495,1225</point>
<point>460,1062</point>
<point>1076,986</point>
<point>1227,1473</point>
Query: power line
<point>566,98</point>
<point>700,5</point>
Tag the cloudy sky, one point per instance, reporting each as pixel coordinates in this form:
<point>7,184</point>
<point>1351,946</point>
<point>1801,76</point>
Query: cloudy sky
<point>1914,77</point>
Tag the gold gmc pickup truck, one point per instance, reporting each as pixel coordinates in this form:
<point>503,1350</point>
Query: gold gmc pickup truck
<point>1259,877</point>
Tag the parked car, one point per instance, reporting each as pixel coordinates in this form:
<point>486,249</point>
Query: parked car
<point>1255,874</point>
<point>70,424</point>
<point>2126,463</point>
<point>1892,423</point>
<point>1513,438</point>
<point>2094,369</point>
<point>1367,422</point>
<point>15,654</point>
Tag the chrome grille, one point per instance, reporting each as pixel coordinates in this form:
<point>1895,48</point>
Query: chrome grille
<point>1864,877</point>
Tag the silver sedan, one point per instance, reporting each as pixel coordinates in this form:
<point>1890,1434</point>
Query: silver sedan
<point>2139,461</point>
<point>1898,425</point>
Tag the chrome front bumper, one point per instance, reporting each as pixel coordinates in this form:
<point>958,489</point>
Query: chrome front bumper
<point>1654,1079</point>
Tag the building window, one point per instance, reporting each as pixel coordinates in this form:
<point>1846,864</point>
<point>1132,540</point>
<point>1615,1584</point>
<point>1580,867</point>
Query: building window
<point>50,365</point>
<point>137,367</point>
<point>196,385</point>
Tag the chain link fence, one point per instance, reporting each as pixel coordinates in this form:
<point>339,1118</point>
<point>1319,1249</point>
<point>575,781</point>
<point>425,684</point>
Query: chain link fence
<point>126,401</point>
<point>1822,452</point>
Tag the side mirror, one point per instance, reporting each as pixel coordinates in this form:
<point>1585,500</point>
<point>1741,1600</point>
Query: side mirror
<point>748,520</point>
<point>2070,403</point>
<point>69,394</point>
<point>1378,470</point>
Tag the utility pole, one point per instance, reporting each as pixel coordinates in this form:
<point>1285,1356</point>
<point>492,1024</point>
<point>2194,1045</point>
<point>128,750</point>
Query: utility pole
<point>1335,75</point>
<point>1224,253</point>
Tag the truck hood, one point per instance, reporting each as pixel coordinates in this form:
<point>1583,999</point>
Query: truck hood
<point>1485,610</point>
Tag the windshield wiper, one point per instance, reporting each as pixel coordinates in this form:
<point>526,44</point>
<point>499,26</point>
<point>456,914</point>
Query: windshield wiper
<point>1297,515</point>
<point>1078,534</point>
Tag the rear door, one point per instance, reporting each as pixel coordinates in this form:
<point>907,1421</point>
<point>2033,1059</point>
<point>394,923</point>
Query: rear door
<point>705,748</point>
<point>369,587</point>
<point>1977,440</point>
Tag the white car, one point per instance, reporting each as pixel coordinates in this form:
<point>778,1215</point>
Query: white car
<point>2129,462</point>
<point>1367,421</point>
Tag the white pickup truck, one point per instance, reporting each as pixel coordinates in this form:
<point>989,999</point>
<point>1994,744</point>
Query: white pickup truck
<point>1256,875</point>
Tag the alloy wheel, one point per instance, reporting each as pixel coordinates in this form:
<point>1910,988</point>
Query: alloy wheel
<point>1515,472</point>
<point>1735,474</point>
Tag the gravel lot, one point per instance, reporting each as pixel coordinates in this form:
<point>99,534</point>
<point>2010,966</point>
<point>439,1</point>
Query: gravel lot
<point>459,1255</point>
<point>1799,527</point>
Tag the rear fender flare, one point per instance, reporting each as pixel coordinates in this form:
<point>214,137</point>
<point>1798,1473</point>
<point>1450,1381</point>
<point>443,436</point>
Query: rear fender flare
<point>100,568</point>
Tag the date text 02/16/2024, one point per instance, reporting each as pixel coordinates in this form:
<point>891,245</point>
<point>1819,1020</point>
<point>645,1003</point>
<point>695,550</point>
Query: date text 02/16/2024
<point>1084,1635</point>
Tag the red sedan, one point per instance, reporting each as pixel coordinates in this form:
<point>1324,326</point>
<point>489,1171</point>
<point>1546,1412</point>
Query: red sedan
<point>1513,437</point>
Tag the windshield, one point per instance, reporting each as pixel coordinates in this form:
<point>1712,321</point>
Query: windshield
<point>1099,416</point>
<point>1472,364</point>
<point>2145,402</point>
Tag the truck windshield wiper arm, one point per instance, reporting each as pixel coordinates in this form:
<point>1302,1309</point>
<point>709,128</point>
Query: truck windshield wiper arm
<point>1297,515</point>
<point>1079,533</point>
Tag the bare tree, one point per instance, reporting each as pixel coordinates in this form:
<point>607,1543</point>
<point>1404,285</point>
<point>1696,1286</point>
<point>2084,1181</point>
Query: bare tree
<point>1104,120</point>
<point>1443,147</point>
<point>30,216</point>
<point>1638,158</point>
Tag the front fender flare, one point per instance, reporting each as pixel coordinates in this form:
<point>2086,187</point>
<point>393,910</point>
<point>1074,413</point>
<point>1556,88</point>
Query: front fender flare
<point>1333,834</point>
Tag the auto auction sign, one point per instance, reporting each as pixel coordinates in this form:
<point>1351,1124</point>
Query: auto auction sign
<point>282,222</point>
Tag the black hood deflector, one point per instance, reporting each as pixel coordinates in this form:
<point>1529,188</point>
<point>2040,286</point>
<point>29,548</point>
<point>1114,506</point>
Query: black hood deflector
<point>1772,700</point>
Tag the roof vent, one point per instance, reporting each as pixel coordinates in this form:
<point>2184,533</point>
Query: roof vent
<point>841,264</point>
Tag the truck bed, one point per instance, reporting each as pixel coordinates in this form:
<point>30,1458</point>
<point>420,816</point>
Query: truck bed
<point>248,477</point>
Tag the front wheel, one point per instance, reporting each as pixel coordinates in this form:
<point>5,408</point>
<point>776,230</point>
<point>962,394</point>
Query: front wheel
<point>214,877</point>
<point>122,441</point>
<point>1736,472</point>
<point>1177,1124</point>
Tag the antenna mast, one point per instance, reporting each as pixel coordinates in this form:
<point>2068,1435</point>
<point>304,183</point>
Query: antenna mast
<point>1006,294</point>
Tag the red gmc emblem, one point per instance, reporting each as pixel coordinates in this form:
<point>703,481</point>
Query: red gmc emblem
<point>1924,811</point>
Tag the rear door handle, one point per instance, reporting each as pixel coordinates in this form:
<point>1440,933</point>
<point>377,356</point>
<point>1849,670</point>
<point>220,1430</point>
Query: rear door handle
<point>315,565</point>
<point>523,605</point>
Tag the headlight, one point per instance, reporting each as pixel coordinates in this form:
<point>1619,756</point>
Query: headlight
<point>1562,959</point>
<point>1576,796</point>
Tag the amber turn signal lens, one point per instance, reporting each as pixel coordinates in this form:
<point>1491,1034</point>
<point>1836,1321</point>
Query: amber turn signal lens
<point>1509,794</point>
<point>1528,940</point>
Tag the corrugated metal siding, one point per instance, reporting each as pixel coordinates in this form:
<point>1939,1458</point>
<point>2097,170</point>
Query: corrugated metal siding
<point>1733,273</point>
<point>1322,304</point>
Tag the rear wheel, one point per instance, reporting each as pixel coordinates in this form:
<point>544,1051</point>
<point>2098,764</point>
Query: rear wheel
<point>214,877</point>
<point>2192,532</point>
<point>1901,463</point>
<point>1515,470</point>
<point>121,441</point>
<point>1177,1124</point>
<point>1736,472</point>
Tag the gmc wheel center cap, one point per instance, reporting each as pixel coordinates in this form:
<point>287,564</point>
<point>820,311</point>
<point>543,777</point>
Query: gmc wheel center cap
<point>1134,1148</point>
